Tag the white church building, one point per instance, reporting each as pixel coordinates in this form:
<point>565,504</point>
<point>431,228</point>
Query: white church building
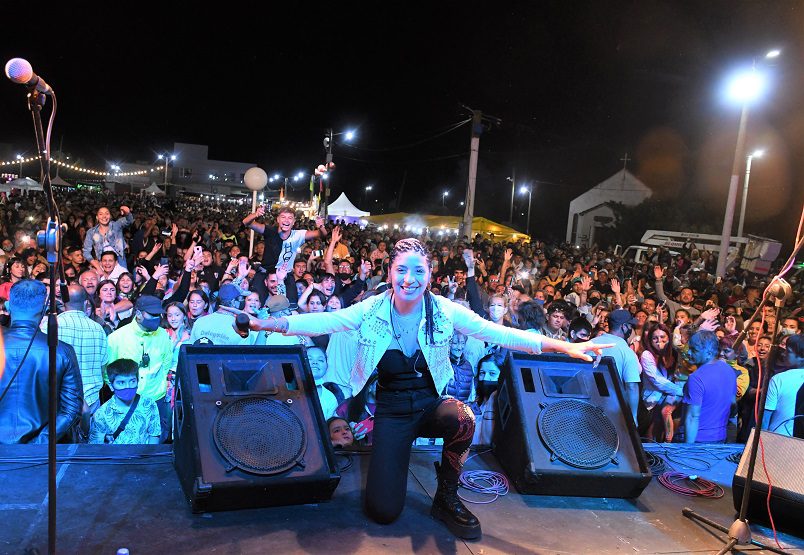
<point>589,214</point>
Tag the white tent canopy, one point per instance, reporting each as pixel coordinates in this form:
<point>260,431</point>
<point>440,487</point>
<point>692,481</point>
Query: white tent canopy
<point>154,190</point>
<point>343,207</point>
<point>23,184</point>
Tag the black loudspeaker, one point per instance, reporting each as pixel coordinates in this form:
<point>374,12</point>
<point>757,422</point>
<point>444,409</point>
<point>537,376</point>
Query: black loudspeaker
<point>249,430</point>
<point>784,459</point>
<point>564,428</point>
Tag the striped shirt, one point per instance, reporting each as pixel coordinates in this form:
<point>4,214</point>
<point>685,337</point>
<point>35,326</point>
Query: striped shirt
<point>88,340</point>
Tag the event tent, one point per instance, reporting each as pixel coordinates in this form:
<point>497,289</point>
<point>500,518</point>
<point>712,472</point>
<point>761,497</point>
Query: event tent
<point>153,190</point>
<point>22,184</point>
<point>448,224</point>
<point>343,209</point>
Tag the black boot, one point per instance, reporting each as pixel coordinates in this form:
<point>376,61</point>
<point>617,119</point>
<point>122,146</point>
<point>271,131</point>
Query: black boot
<point>448,508</point>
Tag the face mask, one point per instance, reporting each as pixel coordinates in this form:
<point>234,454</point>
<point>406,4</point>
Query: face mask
<point>150,324</point>
<point>445,253</point>
<point>539,302</point>
<point>486,388</point>
<point>496,312</point>
<point>126,395</point>
<point>344,276</point>
<point>788,331</point>
<point>5,319</point>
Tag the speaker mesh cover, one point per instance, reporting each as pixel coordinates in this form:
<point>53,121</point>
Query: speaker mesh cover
<point>578,434</point>
<point>258,435</point>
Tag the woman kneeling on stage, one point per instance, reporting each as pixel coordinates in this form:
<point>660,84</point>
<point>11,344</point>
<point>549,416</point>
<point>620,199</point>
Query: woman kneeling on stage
<point>404,333</point>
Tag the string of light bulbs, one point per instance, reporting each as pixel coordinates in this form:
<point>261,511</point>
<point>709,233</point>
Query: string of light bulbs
<point>80,169</point>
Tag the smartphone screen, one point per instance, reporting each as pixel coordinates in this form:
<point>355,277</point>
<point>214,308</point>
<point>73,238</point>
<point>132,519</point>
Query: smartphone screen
<point>163,261</point>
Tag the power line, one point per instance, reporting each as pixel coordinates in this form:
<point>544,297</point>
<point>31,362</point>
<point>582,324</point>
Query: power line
<point>438,133</point>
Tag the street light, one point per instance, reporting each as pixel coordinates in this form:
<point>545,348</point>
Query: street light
<point>444,196</point>
<point>19,157</point>
<point>529,191</point>
<point>167,158</point>
<point>756,154</point>
<point>744,88</point>
<point>365,192</point>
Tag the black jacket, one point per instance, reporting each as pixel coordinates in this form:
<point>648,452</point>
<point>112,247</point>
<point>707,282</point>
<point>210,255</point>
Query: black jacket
<point>24,409</point>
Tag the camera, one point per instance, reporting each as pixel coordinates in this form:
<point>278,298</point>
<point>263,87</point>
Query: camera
<point>167,232</point>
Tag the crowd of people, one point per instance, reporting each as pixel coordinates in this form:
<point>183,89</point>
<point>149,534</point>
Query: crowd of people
<point>142,276</point>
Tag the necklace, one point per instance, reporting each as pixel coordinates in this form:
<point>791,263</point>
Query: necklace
<point>407,325</point>
<point>413,317</point>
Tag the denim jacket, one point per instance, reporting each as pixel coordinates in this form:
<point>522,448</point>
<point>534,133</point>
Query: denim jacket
<point>95,243</point>
<point>371,319</point>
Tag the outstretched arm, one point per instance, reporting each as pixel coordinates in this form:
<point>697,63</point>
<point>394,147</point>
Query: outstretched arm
<point>249,221</point>
<point>320,231</point>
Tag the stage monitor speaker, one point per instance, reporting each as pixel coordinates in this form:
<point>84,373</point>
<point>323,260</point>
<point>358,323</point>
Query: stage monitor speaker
<point>784,459</point>
<point>564,428</point>
<point>249,430</point>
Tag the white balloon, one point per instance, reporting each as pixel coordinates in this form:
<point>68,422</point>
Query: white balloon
<point>255,179</point>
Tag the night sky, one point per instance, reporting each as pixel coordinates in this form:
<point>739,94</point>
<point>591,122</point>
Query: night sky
<point>576,85</point>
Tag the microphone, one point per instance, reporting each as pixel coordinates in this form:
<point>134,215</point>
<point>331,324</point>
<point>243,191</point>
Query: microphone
<point>21,72</point>
<point>241,325</point>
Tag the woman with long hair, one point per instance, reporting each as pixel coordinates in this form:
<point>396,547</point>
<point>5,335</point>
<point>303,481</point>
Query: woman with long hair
<point>660,393</point>
<point>404,333</point>
<point>197,305</point>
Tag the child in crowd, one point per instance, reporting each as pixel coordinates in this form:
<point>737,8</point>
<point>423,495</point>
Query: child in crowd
<point>126,418</point>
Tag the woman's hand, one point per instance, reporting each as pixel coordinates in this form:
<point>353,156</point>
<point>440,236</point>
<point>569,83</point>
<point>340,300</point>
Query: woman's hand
<point>160,271</point>
<point>335,236</point>
<point>579,350</point>
<point>358,430</point>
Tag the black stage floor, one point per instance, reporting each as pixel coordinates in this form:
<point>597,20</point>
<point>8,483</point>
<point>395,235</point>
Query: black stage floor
<point>138,504</point>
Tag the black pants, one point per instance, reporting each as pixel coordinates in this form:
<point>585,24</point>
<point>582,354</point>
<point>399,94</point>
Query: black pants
<point>401,417</point>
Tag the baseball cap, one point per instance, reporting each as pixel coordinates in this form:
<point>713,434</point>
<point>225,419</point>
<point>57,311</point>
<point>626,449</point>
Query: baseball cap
<point>149,304</point>
<point>621,316</point>
<point>277,303</point>
<point>228,293</point>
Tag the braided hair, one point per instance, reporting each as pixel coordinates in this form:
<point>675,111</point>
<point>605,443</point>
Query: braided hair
<point>414,245</point>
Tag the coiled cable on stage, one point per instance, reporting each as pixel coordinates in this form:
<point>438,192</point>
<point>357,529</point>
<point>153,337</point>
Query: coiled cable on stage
<point>691,485</point>
<point>656,463</point>
<point>486,482</point>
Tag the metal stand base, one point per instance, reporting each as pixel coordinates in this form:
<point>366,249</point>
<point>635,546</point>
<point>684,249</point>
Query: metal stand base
<point>739,533</point>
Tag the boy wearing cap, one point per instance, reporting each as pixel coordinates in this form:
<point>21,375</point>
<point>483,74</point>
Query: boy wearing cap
<point>628,367</point>
<point>145,342</point>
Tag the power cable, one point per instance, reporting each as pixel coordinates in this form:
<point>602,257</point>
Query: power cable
<point>438,133</point>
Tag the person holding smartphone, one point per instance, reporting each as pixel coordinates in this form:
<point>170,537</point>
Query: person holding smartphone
<point>282,242</point>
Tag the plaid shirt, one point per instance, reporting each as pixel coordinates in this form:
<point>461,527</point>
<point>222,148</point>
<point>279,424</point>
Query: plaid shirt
<point>88,340</point>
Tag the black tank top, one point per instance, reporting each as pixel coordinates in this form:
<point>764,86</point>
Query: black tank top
<point>398,372</point>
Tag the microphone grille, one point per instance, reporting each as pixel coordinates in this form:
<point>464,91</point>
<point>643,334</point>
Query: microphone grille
<point>19,70</point>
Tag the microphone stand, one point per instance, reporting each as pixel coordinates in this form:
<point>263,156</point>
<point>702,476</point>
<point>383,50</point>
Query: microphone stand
<point>50,239</point>
<point>739,532</point>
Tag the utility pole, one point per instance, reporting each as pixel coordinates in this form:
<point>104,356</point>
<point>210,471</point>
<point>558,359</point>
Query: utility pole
<point>474,146</point>
<point>512,179</point>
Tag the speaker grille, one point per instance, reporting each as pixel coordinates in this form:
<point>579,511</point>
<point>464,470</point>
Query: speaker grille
<point>578,434</point>
<point>261,436</point>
